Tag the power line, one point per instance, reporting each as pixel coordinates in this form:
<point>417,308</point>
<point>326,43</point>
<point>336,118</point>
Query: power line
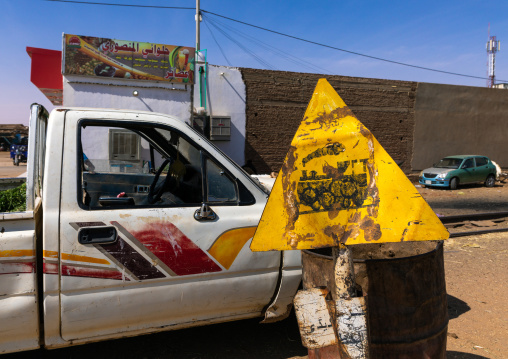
<point>281,34</point>
<point>273,50</point>
<point>343,50</point>
<point>126,5</point>
<point>245,49</point>
<point>220,47</point>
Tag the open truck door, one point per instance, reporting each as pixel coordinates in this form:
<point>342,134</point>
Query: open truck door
<point>19,314</point>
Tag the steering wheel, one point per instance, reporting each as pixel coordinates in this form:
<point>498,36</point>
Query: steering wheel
<point>156,191</point>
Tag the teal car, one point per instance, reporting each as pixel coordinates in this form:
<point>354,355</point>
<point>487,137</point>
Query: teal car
<point>454,170</point>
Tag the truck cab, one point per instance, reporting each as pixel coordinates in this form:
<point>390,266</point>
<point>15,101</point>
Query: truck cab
<point>140,224</point>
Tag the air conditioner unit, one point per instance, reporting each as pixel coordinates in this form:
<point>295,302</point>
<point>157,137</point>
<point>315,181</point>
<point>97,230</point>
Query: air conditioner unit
<point>220,128</point>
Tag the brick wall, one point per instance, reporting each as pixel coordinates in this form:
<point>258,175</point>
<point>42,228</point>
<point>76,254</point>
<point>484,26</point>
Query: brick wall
<point>277,100</point>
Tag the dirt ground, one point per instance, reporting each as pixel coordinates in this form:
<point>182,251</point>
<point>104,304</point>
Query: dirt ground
<point>476,269</point>
<point>476,276</point>
<point>7,169</point>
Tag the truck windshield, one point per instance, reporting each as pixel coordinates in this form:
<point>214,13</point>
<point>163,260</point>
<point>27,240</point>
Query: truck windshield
<point>449,163</point>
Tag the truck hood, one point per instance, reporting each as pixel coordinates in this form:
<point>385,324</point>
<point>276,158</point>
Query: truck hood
<point>266,181</point>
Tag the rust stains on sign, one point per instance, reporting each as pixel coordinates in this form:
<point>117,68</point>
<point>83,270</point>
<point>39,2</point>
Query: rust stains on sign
<point>289,188</point>
<point>338,185</point>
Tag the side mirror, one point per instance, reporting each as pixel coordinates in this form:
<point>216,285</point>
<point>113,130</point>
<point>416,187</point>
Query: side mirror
<point>205,213</point>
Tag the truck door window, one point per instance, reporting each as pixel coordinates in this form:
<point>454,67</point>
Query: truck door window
<point>220,188</point>
<point>137,166</point>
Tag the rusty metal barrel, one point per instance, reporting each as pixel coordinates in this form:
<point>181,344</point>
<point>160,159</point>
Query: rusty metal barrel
<point>406,295</point>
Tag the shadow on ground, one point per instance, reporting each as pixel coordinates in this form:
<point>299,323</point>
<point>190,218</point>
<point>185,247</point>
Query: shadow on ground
<point>458,355</point>
<point>456,307</point>
<point>242,339</point>
<point>478,200</point>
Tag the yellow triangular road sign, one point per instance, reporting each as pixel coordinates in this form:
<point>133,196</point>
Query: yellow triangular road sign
<point>338,185</point>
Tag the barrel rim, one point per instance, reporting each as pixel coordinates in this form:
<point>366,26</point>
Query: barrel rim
<point>356,260</point>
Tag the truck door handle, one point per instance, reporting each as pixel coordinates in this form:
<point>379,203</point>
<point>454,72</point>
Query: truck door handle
<point>97,235</point>
<point>205,213</point>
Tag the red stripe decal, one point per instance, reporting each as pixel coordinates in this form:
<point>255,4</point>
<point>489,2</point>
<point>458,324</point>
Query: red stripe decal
<point>13,268</point>
<point>124,255</point>
<point>50,268</point>
<point>75,271</point>
<point>175,249</point>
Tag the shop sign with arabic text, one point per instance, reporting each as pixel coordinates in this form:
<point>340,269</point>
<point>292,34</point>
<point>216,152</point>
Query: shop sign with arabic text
<point>95,56</point>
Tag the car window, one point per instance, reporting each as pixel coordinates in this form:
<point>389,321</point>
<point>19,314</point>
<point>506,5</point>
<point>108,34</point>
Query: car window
<point>481,161</point>
<point>138,166</point>
<point>449,163</point>
<point>469,163</point>
<point>220,188</point>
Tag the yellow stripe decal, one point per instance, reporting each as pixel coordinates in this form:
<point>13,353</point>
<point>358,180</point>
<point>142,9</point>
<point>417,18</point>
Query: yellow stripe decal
<point>227,247</point>
<point>50,254</point>
<point>76,258</point>
<point>17,253</point>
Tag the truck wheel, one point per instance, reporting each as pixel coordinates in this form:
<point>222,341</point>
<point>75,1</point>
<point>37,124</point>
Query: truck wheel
<point>490,181</point>
<point>454,182</point>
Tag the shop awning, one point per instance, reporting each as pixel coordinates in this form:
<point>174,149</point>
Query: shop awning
<point>46,73</point>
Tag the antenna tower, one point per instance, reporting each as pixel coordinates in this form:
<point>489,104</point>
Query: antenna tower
<point>493,46</point>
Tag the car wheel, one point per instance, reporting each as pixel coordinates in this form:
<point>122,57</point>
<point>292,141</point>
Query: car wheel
<point>490,181</point>
<point>454,182</point>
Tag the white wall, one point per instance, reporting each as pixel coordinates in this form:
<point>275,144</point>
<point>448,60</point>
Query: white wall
<point>171,99</point>
<point>226,97</point>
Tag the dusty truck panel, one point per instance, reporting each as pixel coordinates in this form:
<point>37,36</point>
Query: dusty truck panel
<point>163,257</point>
<point>18,295</point>
<point>19,311</point>
<point>146,227</point>
<point>291,274</point>
<point>339,186</point>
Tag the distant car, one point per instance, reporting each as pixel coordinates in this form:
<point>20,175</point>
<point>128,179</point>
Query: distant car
<point>454,170</point>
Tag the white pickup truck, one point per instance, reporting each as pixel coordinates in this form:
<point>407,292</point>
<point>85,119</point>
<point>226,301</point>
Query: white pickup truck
<point>135,223</point>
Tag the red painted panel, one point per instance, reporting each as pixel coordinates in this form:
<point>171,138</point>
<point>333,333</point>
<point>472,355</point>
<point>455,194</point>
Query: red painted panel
<point>175,249</point>
<point>22,267</point>
<point>124,255</point>
<point>46,68</point>
<point>76,271</point>
<point>46,73</point>
<point>50,268</point>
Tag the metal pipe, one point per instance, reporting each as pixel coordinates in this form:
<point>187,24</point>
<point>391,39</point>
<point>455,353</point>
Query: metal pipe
<point>198,20</point>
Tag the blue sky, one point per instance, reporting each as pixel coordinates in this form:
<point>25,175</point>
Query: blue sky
<point>445,35</point>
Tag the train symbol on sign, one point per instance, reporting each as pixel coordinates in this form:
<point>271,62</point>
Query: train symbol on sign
<point>334,190</point>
